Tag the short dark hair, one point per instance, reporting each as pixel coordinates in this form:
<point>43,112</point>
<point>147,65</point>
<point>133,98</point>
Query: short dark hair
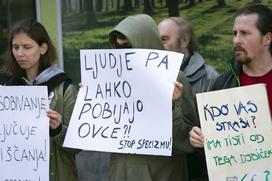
<point>264,20</point>
<point>36,32</point>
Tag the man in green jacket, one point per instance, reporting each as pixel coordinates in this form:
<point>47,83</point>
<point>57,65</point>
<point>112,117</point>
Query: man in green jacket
<point>141,31</point>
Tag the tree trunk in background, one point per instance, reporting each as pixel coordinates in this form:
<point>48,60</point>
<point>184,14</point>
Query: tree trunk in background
<point>75,6</point>
<point>153,3</point>
<point>118,5</point>
<point>91,20</point>
<point>81,5</point>
<point>69,6</point>
<point>137,3</point>
<point>99,5</point>
<point>64,6</point>
<point>221,3</point>
<point>192,3</point>
<point>128,5</point>
<point>173,8</point>
<point>107,5</point>
<point>148,8</point>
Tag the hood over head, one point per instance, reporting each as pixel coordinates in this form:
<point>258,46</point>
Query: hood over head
<point>141,31</point>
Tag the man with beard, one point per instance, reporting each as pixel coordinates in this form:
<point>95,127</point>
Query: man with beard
<point>252,37</point>
<point>177,35</point>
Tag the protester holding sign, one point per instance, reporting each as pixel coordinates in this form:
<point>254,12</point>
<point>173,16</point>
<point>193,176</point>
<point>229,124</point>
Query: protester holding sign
<point>177,35</point>
<point>140,31</point>
<point>29,61</point>
<point>252,37</point>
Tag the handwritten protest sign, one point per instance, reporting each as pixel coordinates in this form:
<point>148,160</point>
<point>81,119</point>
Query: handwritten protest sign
<point>24,135</point>
<point>237,127</point>
<point>125,104</point>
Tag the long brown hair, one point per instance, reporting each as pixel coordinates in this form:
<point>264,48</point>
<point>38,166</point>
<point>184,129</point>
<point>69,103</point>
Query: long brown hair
<point>36,32</point>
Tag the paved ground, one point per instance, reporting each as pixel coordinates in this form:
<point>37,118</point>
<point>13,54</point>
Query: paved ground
<point>93,166</point>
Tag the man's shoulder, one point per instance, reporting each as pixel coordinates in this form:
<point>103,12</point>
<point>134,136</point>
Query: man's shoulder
<point>211,72</point>
<point>222,80</point>
<point>198,65</point>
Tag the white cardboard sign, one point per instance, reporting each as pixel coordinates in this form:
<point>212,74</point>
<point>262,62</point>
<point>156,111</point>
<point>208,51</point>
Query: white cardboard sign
<point>24,133</point>
<point>125,104</point>
<point>237,127</point>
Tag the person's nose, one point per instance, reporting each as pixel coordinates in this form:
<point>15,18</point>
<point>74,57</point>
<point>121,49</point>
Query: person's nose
<point>236,39</point>
<point>20,51</point>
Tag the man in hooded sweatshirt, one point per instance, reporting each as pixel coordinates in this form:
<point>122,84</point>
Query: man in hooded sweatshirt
<point>140,31</point>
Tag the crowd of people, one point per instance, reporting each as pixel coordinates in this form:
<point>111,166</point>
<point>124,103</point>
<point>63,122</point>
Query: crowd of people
<point>30,60</point>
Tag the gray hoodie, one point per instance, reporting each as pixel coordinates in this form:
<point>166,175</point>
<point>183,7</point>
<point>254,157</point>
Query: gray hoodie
<point>45,75</point>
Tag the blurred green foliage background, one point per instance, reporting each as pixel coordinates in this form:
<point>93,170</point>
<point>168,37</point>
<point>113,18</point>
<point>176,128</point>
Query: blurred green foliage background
<point>212,24</point>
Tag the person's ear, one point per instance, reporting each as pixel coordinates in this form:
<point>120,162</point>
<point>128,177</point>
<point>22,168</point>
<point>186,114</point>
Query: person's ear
<point>185,42</point>
<point>43,48</point>
<point>267,39</point>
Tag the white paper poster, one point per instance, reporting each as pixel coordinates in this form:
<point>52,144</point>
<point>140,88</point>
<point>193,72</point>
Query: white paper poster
<point>24,133</point>
<point>237,127</point>
<point>125,104</point>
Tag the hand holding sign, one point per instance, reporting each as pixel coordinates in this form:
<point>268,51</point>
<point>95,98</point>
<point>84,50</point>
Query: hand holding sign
<point>177,90</point>
<point>24,136</point>
<point>196,137</point>
<point>237,127</point>
<point>54,119</point>
<point>126,92</point>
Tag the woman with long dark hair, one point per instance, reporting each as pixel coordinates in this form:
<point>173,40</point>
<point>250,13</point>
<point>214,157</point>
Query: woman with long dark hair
<point>29,61</point>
